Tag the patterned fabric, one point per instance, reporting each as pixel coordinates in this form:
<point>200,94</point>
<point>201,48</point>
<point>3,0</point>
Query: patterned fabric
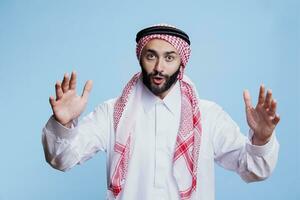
<point>122,144</point>
<point>188,142</point>
<point>186,153</point>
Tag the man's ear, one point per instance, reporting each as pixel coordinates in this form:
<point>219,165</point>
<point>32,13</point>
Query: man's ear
<point>181,70</point>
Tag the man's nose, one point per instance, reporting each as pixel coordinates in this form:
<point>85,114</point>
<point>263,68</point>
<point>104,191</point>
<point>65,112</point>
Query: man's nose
<point>159,65</point>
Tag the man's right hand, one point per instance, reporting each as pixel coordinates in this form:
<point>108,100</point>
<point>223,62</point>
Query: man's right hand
<point>68,105</point>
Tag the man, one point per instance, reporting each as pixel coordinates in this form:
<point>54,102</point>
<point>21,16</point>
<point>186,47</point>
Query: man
<point>161,140</point>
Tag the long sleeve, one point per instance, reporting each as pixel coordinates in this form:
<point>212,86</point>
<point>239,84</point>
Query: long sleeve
<point>66,147</point>
<point>234,151</point>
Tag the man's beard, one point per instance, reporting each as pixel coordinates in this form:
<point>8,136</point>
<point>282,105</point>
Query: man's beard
<point>157,89</point>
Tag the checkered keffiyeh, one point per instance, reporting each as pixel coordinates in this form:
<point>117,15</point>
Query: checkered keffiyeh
<point>186,153</point>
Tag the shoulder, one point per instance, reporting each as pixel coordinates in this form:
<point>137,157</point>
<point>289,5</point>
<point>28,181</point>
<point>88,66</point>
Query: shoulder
<point>211,109</point>
<point>106,106</point>
<point>207,106</point>
<point>214,113</point>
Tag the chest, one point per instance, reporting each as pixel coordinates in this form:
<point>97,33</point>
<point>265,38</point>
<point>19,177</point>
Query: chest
<point>156,130</point>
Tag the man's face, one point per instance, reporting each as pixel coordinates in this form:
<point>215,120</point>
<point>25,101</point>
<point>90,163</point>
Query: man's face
<point>160,64</point>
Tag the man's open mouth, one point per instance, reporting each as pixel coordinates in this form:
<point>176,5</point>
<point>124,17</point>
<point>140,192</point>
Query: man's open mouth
<point>158,80</point>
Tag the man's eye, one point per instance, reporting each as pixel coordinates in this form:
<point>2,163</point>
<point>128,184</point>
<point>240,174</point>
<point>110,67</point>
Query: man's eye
<point>169,58</point>
<point>150,56</point>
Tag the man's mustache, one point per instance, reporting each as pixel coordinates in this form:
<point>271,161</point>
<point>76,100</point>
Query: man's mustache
<point>157,74</point>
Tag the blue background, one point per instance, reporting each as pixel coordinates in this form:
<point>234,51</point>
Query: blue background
<point>235,45</point>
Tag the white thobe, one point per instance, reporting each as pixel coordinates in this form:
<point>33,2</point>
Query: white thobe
<point>150,174</point>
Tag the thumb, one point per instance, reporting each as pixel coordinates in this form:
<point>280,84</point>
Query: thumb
<point>247,99</point>
<point>87,89</point>
<point>52,101</point>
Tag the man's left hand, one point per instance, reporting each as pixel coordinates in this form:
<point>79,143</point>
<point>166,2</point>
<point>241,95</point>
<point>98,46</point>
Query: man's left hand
<point>263,118</point>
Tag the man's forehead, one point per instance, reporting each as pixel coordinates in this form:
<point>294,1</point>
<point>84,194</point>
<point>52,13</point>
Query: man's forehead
<point>160,45</point>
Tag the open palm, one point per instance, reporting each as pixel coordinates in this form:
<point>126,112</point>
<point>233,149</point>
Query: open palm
<point>263,118</point>
<point>68,105</point>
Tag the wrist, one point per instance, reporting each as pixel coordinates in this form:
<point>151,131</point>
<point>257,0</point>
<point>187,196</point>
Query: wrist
<point>259,142</point>
<point>67,125</point>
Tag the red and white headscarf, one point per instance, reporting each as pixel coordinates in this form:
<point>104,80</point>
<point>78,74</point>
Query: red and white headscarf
<point>186,152</point>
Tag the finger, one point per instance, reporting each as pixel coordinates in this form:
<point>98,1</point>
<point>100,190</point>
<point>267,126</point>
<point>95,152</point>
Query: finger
<point>52,101</point>
<point>268,99</point>
<point>87,89</point>
<point>276,119</point>
<point>273,106</point>
<point>58,90</point>
<point>73,81</point>
<point>65,83</point>
<point>247,99</point>
<point>261,96</point>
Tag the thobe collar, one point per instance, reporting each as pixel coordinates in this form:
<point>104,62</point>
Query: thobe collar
<point>172,100</point>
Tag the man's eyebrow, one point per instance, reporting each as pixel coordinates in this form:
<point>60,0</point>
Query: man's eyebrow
<point>155,52</point>
<point>151,50</point>
<point>170,52</point>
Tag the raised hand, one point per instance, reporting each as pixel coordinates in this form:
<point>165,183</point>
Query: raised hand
<point>68,105</point>
<point>263,118</point>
